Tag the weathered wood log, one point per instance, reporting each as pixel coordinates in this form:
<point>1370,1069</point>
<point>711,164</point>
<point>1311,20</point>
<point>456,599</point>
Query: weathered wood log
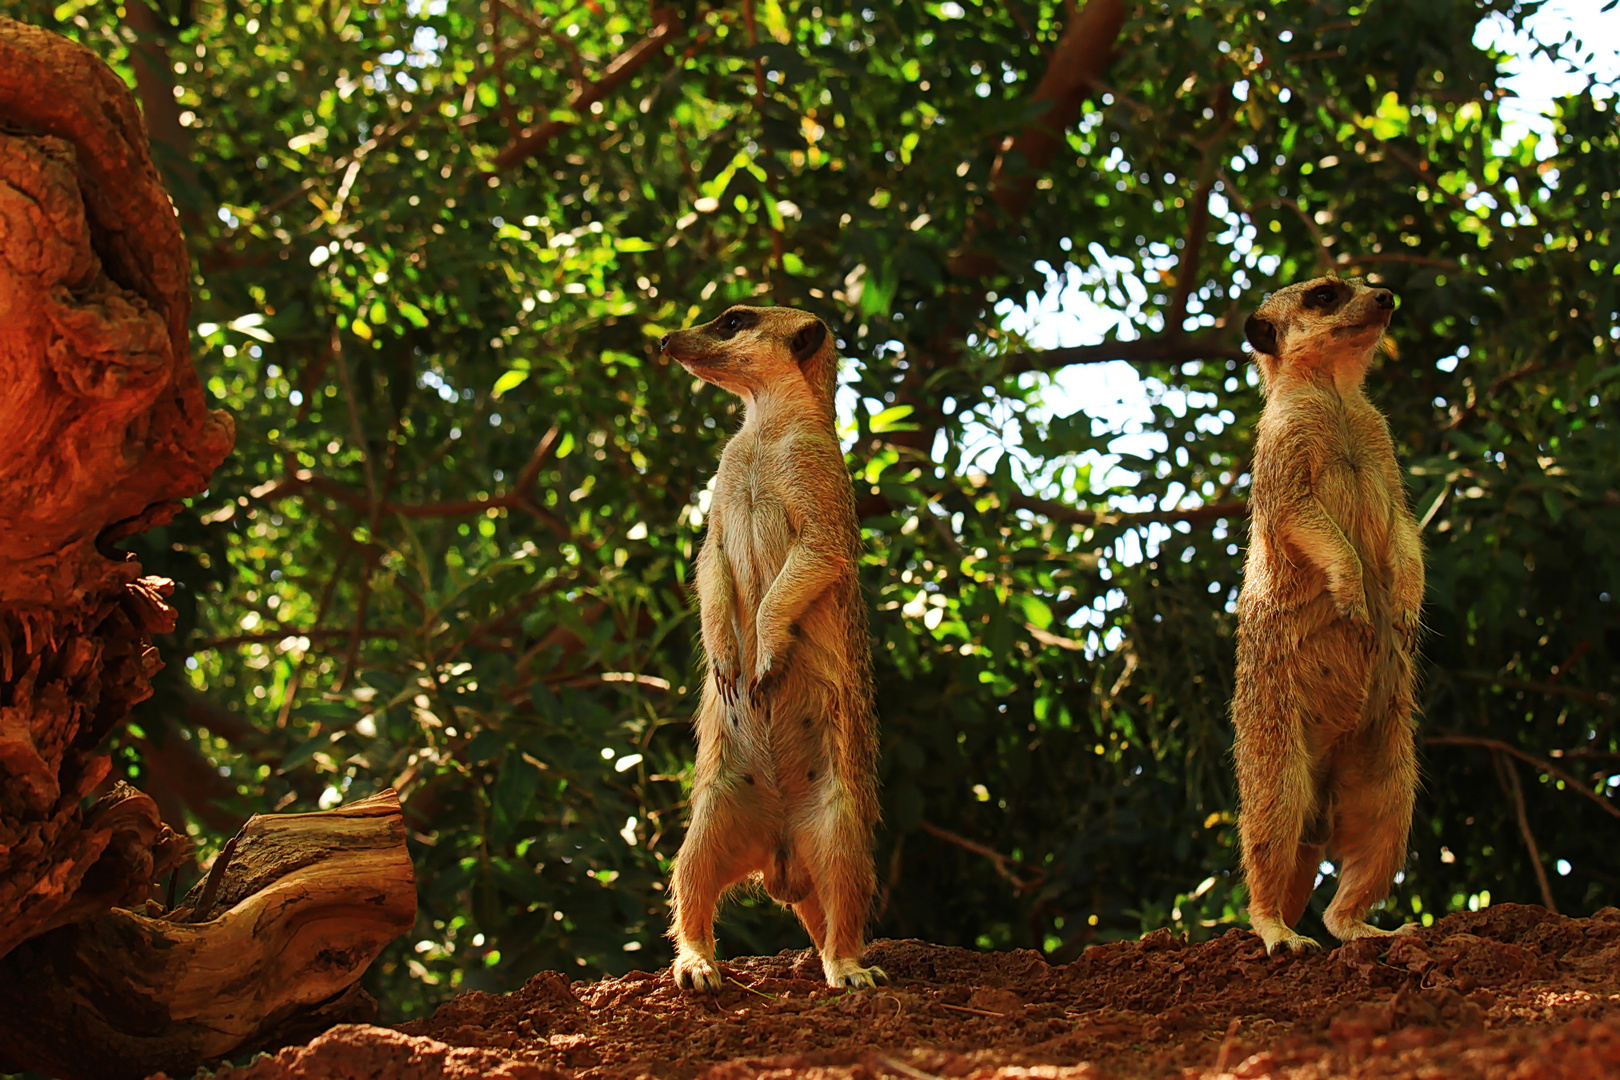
<point>262,953</point>
<point>103,427</point>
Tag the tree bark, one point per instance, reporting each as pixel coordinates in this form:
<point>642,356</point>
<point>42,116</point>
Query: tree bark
<point>104,428</point>
<point>263,952</point>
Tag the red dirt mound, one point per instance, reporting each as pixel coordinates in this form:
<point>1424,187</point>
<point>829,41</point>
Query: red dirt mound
<point>1509,993</point>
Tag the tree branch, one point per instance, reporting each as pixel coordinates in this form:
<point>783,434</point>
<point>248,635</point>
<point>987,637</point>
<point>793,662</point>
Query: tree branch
<point>1590,697</point>
<point>1500,747</point>
<point>877,505</point>
<point>1073,66</point>
<point>531,142</point>
<point>316,634</point>
<point>1509,775</point>
<point>1073,515</point>
<point>1173,349</point>
<point>1081,55</point>
<point>1002,863</point>
<point>154,84</point>
<point>518,497</point>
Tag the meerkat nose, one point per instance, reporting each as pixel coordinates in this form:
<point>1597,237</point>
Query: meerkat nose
<point>1384,298</point>
<point>663,343</point>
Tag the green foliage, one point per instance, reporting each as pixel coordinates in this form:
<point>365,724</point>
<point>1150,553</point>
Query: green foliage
<point>450,552</point>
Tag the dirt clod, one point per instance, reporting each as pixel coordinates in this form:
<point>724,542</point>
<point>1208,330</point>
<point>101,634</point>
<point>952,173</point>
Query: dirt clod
<point>1509,993</point>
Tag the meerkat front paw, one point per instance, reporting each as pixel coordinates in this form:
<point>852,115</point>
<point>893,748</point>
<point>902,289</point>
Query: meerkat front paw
<point>767,672</point>
<point>1408,625</point>
<point>846,972</point>
<point>727,677</point>
<point>1355,613</point>
<point>694,971</point>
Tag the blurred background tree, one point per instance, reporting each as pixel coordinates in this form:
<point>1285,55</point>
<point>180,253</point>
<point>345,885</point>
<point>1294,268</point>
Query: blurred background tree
<point>436,242</point>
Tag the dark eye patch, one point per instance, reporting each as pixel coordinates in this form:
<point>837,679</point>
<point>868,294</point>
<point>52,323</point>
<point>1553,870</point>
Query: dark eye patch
<point>1325,296</point>
<point>734,322</point>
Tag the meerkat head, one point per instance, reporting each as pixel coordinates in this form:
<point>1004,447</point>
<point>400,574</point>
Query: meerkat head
<point>748,349</point>
<point>1327,326</point>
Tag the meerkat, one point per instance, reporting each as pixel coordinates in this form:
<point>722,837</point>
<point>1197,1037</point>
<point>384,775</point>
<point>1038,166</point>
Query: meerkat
<point>785,790</point>
<point>1328,619</point>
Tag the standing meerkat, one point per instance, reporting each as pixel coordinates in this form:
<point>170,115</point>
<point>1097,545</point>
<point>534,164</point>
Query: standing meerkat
<point>1328,620</point>
<point>785,791</point>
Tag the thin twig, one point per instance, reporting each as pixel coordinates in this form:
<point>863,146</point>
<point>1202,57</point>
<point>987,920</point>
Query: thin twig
<point>326,633</point>
<point>518,497</point>
<point>1499,746</point>
<point>1492,390</point>
<point>997,859</point>
<point>422,107</point>
<point>903,1069</point>
<point>1510,776</point>
<point>1590,697</point>
<point>626,64</point>
<point>966,1009</point>
<point>750,989</point>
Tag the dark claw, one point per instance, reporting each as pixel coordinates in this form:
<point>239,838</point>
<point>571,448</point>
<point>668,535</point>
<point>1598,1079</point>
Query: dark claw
<point>726,683</point>
<point>759,686</point>
<point>1363,630</point>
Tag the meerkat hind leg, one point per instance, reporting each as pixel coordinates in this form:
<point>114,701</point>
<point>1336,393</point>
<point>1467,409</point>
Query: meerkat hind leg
<point>1370,837</point>
<point>717,853</point>
<point>1302,883</point>
<point>1368,864</point>
<point>814,918</point>
<point>1278,797</point>
<point>844,883</point>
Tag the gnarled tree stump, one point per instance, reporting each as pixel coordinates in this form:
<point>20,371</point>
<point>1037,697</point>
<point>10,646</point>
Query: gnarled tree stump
<point>103,428</point>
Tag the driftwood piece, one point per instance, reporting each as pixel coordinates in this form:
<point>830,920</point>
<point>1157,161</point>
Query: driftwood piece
<point>263,952</point>
<point>102,428</point>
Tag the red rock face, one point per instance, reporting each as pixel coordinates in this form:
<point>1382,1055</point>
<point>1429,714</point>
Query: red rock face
<point>1509,993</point>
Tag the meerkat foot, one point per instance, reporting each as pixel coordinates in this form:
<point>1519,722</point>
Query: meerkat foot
<point>1352,929</point>
<point>847,972</point>
<point>694,971</point>
<point>1279,936</point>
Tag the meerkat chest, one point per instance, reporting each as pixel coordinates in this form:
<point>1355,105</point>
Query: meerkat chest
<point>752,500</point>
<point>1354,477</point>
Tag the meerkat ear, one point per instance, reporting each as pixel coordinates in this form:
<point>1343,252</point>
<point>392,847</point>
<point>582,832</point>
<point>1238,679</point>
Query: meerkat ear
<point>1261,334</point>
<point>807,342</point>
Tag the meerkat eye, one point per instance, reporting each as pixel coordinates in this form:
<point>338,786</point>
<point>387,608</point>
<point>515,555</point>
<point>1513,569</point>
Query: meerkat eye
<point>1323,295</point>
<point>731,322</point>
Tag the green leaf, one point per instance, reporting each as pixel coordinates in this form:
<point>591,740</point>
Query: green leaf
<point>510,380</point>
<point>890,419</point>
